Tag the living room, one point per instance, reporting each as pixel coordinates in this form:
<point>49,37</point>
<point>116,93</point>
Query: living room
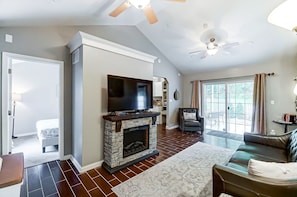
<point>51,42</point>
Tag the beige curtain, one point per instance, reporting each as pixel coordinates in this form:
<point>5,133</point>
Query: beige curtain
<point>195,101</point>
<point>259,110</point>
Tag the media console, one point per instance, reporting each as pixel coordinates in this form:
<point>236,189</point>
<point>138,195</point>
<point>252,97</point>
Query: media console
<point>118,137</point>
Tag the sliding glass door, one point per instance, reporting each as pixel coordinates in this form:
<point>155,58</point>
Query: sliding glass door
<point>227,105</point>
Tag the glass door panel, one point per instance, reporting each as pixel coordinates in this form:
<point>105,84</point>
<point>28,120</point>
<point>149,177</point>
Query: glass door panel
<point>214,110</point>
<point>227,106</point>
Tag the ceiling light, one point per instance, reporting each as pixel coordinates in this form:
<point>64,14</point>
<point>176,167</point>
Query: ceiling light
<point>212,51</point>
<point>212,47</point>
<point>285,15</point>
<point>140,4</point>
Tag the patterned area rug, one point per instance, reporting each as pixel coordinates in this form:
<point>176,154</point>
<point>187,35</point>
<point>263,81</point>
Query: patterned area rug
<point>186,174</point>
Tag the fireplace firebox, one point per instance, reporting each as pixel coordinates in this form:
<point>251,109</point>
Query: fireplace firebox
<point>135,140</point>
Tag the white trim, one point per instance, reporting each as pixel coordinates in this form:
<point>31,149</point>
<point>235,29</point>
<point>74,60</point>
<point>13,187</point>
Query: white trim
<point>87,167</point>
<point>172,127</point>
<point>82,38</point>
<point>5,135</point>
<point>66,157</point>
<point>26,134</point>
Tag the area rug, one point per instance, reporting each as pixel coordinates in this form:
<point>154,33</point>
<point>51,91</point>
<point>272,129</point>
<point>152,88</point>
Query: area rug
<point>224,134</point>
<point>186,174</point>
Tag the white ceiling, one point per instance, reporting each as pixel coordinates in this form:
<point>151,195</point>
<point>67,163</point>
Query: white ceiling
<point>181,27</point>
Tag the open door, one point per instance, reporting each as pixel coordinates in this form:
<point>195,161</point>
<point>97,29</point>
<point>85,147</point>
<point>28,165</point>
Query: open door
<point>9,61</point>
<point>6,105</point>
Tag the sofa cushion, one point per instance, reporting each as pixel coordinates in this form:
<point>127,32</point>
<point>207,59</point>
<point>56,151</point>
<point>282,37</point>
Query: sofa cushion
<point>243,157</point>
<point>238,166</point>
<point>273,170</point>
<point>266,151</point>
<point>292,147</point>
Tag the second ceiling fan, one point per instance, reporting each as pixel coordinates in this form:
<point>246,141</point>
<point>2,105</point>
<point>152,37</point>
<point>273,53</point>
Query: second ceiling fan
<point>144,5</point>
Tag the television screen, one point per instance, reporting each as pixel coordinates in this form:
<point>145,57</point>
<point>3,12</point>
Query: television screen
<point>125,94</point>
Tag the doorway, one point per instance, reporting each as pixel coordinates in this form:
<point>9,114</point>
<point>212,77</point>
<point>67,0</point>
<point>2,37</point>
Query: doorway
<point>160,102</point>
<point>32,90</point>
<point>227,105</point>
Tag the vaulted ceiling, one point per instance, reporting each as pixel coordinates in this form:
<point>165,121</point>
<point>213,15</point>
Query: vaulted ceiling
<point>240,27</point>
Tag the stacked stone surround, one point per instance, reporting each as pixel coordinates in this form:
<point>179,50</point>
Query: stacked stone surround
<point>113,141</point>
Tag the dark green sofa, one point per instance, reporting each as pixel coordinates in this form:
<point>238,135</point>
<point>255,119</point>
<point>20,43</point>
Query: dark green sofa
<point>233,178</point>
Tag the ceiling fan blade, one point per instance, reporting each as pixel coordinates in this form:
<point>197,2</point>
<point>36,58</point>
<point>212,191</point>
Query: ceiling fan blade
<point>120,9</point>
<point>196,52</point>
<point>204,55</point>
<point>229,45</point>
<point>150,14</point>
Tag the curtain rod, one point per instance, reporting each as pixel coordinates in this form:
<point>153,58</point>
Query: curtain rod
<point>246,76</point>
<point>270,74</point>
<point>227,78</point>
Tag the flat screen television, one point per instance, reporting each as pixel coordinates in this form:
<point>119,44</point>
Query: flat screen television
<point>129,94</point>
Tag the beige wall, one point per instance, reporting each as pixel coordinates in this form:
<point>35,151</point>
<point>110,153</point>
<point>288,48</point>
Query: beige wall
<point>279,87</point>
<point>97,64</point>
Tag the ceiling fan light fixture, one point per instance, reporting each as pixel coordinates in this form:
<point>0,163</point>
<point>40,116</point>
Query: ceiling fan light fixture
<point>212,51</point>
<point>285,15</point>
<point>140,4</point>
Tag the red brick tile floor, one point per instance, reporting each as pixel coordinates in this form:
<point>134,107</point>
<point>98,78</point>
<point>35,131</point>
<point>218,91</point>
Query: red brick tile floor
<point>60,178</point>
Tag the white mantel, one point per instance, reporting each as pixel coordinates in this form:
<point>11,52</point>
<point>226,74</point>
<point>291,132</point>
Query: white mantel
<point>82,38</point>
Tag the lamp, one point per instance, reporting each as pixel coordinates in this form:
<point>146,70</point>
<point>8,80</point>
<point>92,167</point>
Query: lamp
<point>295,89</point>
<point>285,15</point>
<point>16,97</point>
<point>295,92</point>
<point>139,4</point>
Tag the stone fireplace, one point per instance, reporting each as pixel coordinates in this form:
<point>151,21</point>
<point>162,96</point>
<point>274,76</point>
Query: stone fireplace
<point>129,139</point>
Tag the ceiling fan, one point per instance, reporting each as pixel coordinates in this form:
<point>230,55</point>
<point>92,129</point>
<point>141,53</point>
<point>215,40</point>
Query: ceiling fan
<point>212,48</point>
<point>144,5</point>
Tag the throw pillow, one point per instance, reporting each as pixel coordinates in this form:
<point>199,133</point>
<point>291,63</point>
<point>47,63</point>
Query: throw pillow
<point>283,171</point>
<point>189,116</point>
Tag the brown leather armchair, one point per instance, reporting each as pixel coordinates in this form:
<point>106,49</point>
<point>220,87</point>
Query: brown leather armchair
<point>194,122</point>
<point>233,178</point>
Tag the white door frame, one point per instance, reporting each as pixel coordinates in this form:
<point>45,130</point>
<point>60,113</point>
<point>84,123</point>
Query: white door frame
<point>6,133</point>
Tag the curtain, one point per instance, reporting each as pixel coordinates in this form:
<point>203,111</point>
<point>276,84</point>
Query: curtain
<point>195,101</point>
<point>259,111</point>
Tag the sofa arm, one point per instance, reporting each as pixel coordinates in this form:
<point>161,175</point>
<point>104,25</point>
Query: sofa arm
<point>239,183</point>
<point>278,141</point>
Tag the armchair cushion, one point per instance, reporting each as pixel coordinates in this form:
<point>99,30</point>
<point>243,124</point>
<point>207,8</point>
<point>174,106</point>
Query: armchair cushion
<point>189,116</point>
<point>192,123</point>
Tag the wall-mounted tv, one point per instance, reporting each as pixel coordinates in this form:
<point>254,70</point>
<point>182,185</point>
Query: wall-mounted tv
<point>129,94</point>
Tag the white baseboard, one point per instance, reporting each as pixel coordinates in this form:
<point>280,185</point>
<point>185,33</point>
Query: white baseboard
<point>26,134</point>
<point>66,157</point>
<point>172,127</point>
<point>87,167</point>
